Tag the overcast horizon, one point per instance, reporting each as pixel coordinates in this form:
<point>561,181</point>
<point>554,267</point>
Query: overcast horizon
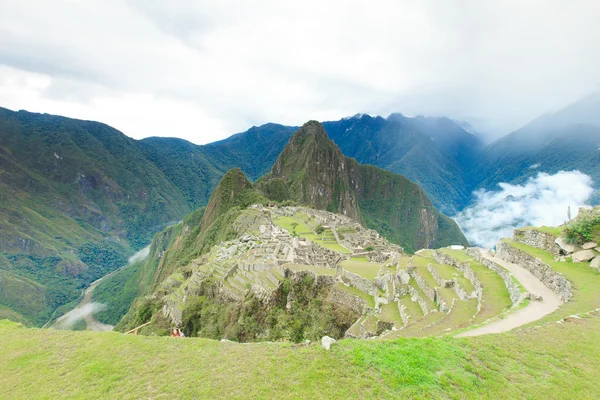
<point>203,71</point>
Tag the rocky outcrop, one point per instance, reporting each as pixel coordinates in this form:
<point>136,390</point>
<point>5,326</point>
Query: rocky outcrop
<point>551,278</point>
<point>565,248</point>
<point>583,256</point>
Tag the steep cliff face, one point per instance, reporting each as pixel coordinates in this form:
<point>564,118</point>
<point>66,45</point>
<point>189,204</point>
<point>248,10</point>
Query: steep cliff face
<point>312,170</point>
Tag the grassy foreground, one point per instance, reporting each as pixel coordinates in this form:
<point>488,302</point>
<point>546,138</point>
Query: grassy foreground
<point>550,361</point>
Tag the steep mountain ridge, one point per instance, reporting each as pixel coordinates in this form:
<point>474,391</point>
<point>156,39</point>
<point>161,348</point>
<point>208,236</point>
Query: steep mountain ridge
<point>312,170</point>
<point>565,140</point>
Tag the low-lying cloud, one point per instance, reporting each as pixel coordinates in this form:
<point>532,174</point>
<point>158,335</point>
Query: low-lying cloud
<point>542,200</point>
<point>77,314</point>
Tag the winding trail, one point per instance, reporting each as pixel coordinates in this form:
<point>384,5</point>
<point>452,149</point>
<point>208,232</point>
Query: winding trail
<point>532,312</point>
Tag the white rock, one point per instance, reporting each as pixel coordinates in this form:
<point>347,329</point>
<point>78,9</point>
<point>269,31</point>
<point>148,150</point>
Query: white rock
<point>597,249</point>
<point>589,245</point>
<point>595,263</point>
<point>326,342</point>
<point>583,256</point>
<point>457,247</point>
<point>568,248</point>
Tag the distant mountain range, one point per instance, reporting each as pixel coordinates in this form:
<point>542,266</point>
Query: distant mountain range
<point>77,197</point>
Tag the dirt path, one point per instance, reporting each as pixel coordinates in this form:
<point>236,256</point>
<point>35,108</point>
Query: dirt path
<point>532,312</point>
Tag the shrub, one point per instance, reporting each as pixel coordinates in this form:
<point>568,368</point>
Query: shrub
<point>369,248</point>
<point>319,229</point>
<point>581,230</point>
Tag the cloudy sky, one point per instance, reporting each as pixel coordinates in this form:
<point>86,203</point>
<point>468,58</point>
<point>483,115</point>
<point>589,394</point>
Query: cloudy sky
<point>203,70</point>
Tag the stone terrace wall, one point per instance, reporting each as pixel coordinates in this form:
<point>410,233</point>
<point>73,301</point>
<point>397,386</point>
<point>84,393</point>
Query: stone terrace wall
<point>468,273</point>
<point>349,300</point>
<point>551,278</point>
<point>416,297</point>
<point>362,284</point>
<point>541,240</point>
<point>513,289</point>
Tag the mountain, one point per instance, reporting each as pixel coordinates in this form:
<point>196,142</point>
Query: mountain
<point>312,170</point>
<point>196,170</point>
<point>435,153</point>
<point>565,140</point>
<point>76,197</point>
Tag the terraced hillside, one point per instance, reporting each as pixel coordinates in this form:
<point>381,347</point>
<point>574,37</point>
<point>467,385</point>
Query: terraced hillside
<point>374,287</point>
<point>556,356</point>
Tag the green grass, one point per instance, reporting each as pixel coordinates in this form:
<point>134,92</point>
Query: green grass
<point>413,309</point>
<point>359,293</point>
<point>531,363</point>
<point>414,329</point>
<point>460,316</point>
<point>494,293</point>
<point>367,270</point>
<point>554,231</point>
<point>430,304</point>
<point>421,267</point>
<point>317,270</point>
<point>370,324</point>
<point>302,230</point>
<point>389,313</point>
<point>585,281</point>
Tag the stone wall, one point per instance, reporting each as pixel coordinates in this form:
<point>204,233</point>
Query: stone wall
<point>534,238</point>
<point>514,290</point>
<point>467,272</point>
<point>551,278</point>
<point>349,300</point>
<point>417,298</point>
<point>403,314</point>
<point>438,278</point>
<point>357,281</point>
<point>429,291</point>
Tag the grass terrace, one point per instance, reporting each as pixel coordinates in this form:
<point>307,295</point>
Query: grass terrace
<point>355,292</point>
<point>367,269</point>
<point>585,280</point>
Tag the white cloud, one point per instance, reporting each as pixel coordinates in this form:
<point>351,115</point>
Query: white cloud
<point>217,67</point>
<point>542,200</point>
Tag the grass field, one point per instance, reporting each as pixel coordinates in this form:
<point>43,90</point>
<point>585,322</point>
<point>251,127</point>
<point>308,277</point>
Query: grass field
<point>365,269</point>
<point>547,361</point>
<point>390,313</point>
<point>531,363</point>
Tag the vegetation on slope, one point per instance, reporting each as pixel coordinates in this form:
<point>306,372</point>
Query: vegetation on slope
<point>312,170</point>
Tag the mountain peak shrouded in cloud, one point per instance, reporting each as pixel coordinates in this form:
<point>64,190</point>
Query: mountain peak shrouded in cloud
<point>202,72</point>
